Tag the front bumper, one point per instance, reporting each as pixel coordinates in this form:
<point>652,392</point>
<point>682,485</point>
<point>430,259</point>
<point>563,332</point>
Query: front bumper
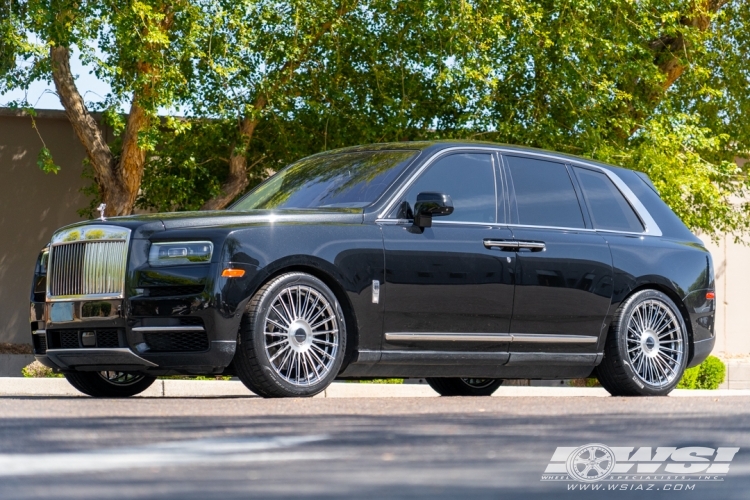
<point>185,335</point>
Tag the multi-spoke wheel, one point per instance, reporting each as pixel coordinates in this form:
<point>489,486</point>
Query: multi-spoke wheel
<point>110,384</point>
<point>465,386</point>
<point>292,338</point>
<point>647,346</point>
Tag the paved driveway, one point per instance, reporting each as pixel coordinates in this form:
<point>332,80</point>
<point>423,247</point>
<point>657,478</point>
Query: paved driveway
<point>246,447</point>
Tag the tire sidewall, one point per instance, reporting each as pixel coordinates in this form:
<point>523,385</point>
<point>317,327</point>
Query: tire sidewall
<point>622,347</point>
<point>258,327</point>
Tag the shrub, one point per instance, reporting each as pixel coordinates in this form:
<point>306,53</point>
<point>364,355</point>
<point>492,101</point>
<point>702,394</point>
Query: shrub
<point>708,375</point>
<point>38,370</point>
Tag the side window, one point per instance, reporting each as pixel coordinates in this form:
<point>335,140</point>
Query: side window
<point>469,179</point>
<point>609,208</point>
<point>545,195</point>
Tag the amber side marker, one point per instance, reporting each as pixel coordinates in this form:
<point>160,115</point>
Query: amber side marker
<point>710,295</point>
<point>233,273</point>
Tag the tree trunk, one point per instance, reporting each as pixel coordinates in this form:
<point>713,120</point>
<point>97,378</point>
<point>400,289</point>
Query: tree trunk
<point>118,181</point>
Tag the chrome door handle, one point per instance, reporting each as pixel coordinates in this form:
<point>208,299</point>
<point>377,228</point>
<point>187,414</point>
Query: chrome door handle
<point>534,246</point>
<point>509,245</point>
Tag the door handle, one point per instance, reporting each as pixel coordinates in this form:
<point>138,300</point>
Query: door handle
<point>512,246</point>
<point>508,245</point>
<point>534,246</point>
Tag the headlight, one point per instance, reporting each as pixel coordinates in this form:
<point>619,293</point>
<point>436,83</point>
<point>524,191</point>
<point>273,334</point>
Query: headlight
<point>178,253</point>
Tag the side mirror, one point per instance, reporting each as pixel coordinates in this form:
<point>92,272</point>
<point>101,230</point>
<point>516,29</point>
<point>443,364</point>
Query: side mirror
<point>431,205</point>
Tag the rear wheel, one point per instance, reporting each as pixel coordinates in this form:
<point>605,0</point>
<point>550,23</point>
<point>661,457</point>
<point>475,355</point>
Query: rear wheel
<point>647,347</point>
<point>465,386</point>
<point>292,338</point>
<point>109,384</point>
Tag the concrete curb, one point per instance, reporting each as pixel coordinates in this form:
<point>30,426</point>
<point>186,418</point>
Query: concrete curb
<point>59,387</point>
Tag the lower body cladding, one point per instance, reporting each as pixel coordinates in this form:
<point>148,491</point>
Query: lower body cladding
<point>509,365</point>
<point>95,336</point>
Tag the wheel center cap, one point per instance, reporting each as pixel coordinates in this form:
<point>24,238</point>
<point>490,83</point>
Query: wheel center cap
<point>650,344</point>
<point>300,335</point>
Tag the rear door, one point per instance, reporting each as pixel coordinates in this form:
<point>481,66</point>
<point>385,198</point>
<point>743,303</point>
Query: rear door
<point>564,268</point>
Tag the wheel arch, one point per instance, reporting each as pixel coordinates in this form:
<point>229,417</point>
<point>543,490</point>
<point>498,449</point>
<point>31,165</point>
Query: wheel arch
<point>328,278</point>
<point>674,296</point>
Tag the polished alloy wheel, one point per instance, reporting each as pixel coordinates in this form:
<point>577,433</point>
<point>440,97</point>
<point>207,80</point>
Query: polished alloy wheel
<point>654,342</point>
<point>121,378</point>
<point>478,383</point>
<point>301,335</point>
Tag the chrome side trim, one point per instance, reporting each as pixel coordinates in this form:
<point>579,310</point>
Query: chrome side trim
<point>169,329</point>
<point>448,337</point>
<point>554,339</point>
<point>491,337</point>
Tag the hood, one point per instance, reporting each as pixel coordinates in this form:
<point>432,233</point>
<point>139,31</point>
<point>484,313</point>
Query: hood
<point>145,225</point>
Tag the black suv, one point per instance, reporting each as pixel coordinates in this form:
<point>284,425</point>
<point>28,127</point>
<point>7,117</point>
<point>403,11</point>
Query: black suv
<point>465,263</point>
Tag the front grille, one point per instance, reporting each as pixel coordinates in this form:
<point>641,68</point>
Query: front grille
<point>70,339</point>
<point>87,268</point>
<point>176,341</point>
<point>173,291</point>
<point>40,343</point>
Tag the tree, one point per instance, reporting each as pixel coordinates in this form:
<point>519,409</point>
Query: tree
<point>659,86</point>
<point>139,47</point>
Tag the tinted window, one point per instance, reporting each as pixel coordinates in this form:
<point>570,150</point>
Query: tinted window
<point>469,180</point>
<point>545,195</point>
<point>335,180</point>
<point>609,208</point>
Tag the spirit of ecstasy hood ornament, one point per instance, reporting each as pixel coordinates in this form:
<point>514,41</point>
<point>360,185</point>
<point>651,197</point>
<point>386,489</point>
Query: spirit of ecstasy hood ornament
<point>101,210</point>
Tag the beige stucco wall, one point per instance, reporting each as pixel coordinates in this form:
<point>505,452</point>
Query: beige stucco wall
<point>732,265</point>
<point>32,205</point>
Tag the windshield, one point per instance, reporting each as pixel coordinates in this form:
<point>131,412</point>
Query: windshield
<point>336,180</point>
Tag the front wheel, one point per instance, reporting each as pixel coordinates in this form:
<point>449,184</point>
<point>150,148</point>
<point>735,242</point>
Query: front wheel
<point>465,386</point>
<point>292,338</point>
<point>647,347</point>
<point>109,384</point>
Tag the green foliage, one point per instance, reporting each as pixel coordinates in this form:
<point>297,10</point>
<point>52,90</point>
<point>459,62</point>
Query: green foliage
<point>382,381</point>
<point>596,78</point>
<point>708,375</point>
<point>45,162</point>
<point>38,370</point>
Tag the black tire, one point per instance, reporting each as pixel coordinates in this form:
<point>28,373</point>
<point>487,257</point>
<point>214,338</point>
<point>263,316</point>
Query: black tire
<point>264,369</point>
<point>624,374</point>
<point>109,384</point>
<point>465,386</point>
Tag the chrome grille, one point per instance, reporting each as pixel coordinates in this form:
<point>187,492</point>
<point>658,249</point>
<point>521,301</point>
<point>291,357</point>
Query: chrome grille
<point>87,267</point>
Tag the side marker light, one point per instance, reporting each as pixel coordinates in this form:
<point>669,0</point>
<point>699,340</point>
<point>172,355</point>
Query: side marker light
<point>233,273</point>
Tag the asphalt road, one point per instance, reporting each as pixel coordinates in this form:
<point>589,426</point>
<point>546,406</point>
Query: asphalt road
<point>240,448</point>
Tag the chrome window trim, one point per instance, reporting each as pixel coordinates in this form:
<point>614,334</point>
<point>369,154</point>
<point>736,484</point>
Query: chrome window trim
<point>651,228</point>
<point>491,337</point>
<point>94,232</point>
<point>444,152</point>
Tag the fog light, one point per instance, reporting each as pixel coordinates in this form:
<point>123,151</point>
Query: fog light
<point>88,339</point>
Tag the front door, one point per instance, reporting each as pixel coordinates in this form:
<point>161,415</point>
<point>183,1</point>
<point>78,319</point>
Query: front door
<point>446,287</point>
<point>564,269</point>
